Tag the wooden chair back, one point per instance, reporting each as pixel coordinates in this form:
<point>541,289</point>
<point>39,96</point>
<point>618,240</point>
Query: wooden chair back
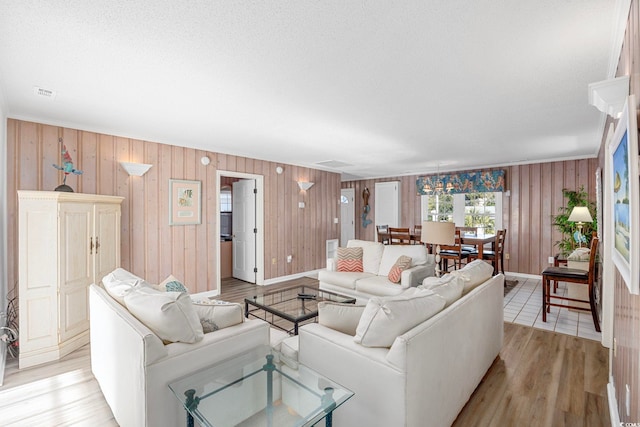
<point>399,236</point>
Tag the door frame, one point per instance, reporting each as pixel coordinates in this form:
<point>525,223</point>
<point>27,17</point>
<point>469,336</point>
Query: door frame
<point>259,222</point>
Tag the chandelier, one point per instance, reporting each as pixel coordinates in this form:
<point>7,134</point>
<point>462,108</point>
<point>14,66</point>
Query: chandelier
<point>439,187</point>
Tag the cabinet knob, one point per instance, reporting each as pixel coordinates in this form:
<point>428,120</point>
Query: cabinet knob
<point>90,245</point>
<point>97,244</point>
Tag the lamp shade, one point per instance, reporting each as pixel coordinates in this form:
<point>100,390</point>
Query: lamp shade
<point>580,214</point>
<point>438,233</point>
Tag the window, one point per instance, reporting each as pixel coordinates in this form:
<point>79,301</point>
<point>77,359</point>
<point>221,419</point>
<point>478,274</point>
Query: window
<point>466,210</point>
<point>225,200</point>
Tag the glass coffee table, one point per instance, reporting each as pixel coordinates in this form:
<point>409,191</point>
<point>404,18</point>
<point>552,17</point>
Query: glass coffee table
<point>295,304</point>
<point>256,389</point>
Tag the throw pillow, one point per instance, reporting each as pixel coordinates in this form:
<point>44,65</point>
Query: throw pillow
<point>120,282</point>
<point>386,318</point>
<point>448,287</point>
<point>340,317</point>
<point>350,259</point>
<point>171,284</point>
<point>215,314</point>
<point>402,263</point>
<point>170,315</point>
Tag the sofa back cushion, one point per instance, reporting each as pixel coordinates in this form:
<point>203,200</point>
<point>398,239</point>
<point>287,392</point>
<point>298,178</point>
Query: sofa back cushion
<point>391,253</point>
<point>371,254</point>
<point>120,282</point>
<point>473,274</point>
<point>386,318</point>
<point>215,314</point>
<point>170,315</point>
<point>340,317</point>
<point>449,287</point>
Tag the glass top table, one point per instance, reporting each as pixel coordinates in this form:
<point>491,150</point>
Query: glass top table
<point>295,304</point>
<point>256,389</point>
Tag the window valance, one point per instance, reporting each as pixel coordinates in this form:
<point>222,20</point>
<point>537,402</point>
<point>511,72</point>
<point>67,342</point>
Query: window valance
<point>464,182</point>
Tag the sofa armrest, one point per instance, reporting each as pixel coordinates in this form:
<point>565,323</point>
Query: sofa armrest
<point>414,276</point>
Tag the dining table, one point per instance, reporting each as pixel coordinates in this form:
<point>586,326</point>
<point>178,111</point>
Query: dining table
<point>478,240</point>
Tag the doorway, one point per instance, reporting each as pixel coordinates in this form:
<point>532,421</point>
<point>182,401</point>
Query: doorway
<point>245,243</point>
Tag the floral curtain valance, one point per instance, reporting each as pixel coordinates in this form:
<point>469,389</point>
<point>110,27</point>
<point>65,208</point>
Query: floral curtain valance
<point>465,182</point>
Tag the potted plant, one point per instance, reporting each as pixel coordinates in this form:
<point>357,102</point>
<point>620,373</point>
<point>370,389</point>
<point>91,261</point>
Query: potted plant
<point>574,198</point>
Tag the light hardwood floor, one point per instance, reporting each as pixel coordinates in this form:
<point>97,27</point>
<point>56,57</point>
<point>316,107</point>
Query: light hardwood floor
<point>540,378</point>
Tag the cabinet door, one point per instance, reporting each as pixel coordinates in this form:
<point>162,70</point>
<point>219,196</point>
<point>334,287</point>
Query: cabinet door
<point>75,268</point>
<point>107,236</point>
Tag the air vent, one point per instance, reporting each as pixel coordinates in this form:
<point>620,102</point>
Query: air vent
<point>46,93</point>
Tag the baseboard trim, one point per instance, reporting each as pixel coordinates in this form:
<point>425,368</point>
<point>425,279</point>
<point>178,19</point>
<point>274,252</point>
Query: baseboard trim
<point>613,404</point>
<point>526,276</point>
<point>312,273</point>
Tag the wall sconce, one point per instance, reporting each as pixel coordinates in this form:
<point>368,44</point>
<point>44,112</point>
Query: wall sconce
<point>609,96</point>
<point>135,169</point>
<point>304,185</point>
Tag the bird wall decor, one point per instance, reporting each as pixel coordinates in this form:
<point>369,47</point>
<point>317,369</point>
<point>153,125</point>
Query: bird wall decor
<point>66,167</point>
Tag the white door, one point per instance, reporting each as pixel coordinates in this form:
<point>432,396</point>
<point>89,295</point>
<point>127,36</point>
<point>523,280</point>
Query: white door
<point>244,230</point>
<point>347,215</point>
<point>387,204</point>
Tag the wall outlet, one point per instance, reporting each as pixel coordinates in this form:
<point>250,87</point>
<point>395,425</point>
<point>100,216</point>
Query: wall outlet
<point>506,256</point>
<point>273,261</point>
<point>335,220</point>
<point>551,260</point>
<point>289,258</point>
<point>301,205</point>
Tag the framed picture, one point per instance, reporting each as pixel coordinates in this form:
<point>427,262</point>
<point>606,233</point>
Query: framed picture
<point>622,157</point>
<point>184,202</point>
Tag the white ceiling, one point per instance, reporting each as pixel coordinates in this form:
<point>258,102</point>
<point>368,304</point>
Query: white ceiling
<point>387,87</point>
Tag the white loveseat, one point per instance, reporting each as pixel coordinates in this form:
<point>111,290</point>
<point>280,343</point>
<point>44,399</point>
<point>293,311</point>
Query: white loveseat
<point>377,261</point>
<point>134,367</point>
<point>427,374</point>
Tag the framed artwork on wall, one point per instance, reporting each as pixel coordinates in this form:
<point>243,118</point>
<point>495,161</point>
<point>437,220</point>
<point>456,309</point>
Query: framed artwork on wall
<point>185,202</point>
<point>622,158</point>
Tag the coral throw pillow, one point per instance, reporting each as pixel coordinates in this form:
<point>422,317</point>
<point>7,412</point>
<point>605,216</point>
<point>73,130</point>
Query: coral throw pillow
<point>401,265</point>
<point>350,259</point>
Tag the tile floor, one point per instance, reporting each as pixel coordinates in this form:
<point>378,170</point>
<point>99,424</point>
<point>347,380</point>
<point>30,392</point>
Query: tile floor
<point>523,305</point>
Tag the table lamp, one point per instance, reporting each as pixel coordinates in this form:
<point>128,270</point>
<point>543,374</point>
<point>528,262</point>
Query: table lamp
<point>438,233</point>
<point>580,215</point>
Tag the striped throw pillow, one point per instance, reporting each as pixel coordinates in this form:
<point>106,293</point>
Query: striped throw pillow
<point>401,264</point>
<point>350,259</point>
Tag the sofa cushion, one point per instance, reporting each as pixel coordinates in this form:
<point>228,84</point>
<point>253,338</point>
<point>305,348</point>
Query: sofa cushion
<point>343,279</point>
<point>449,287</point>
<point>170,315</point>
<point>402,263</point>
<point>378,286</point>
<point>349,260</point>
<point>340,317</point>
<point>418,254</point>
<point>215,314</point>
<point>120,282</point>
<point>371,254</point>
<point>473,274</point>
<point>386,318</point>
<point>171,284</point>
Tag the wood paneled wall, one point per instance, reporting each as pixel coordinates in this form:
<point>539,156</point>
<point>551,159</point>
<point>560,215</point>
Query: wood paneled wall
<point>150,247</point>
<point>625,363</point>
<point>536,196</point>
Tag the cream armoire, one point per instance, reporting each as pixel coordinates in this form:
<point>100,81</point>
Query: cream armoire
<point>66,242</point>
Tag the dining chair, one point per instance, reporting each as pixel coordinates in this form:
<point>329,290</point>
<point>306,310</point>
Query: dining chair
<point>382,231</point>
<point>572,275</point>
<point>417,232</point>
<point>496,255</point>
<point>399,236</point>
<point>453,252</point>
<point>472,231</point>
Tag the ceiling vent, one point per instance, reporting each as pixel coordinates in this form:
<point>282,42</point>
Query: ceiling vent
<point>336,164</point>
<point>46,93</point>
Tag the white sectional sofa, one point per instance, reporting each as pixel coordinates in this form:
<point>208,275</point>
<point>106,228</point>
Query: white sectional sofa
<point>377,260</point>
<point>134,367</point>
<point>423,377</point>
